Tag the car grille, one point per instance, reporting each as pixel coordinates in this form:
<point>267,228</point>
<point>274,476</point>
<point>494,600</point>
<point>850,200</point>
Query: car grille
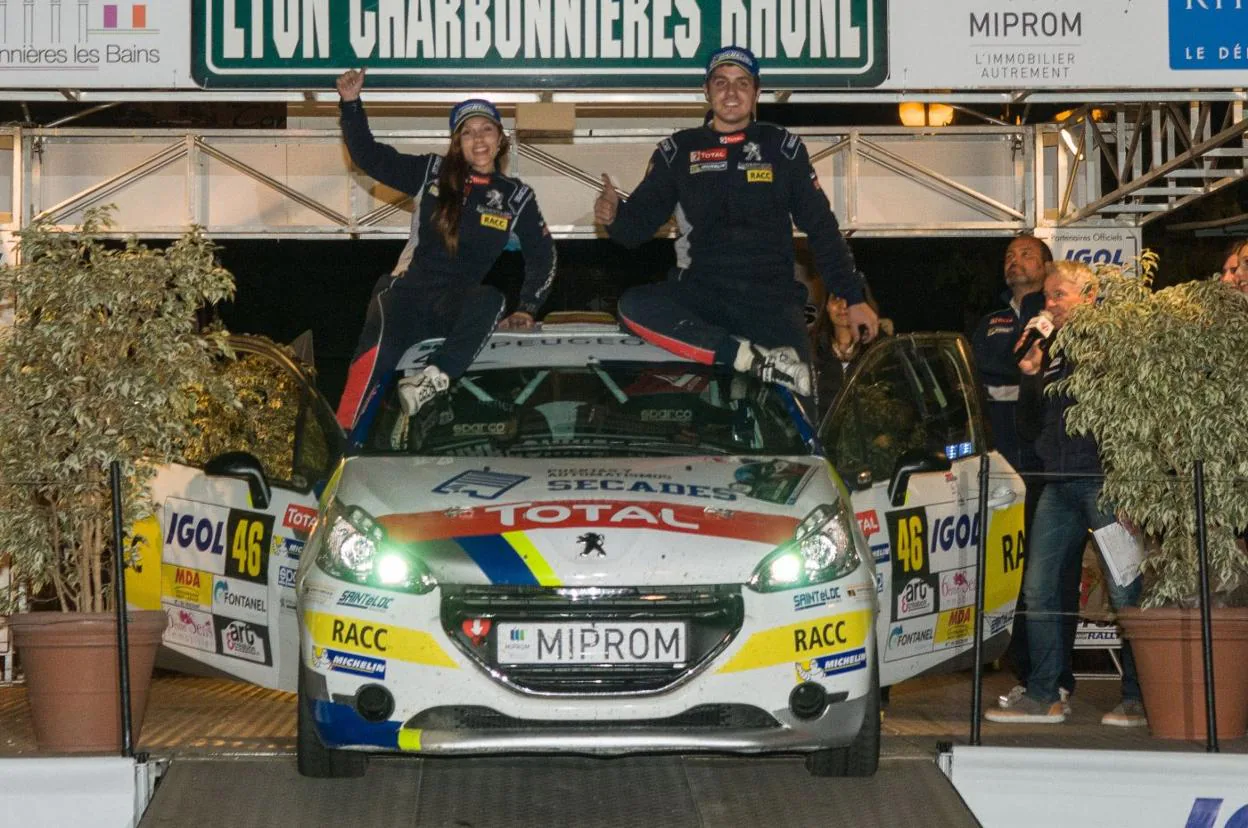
<point>703,717</point>
<point>713,613</point>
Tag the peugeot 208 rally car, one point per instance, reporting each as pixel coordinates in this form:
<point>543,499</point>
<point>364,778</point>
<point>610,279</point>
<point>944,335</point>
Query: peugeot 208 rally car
<point>587,545</point>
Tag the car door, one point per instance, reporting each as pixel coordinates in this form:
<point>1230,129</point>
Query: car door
<point>906,433</point>
<point>220,553</point>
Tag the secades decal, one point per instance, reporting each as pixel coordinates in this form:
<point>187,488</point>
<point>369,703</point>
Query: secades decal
<point>914,589</point>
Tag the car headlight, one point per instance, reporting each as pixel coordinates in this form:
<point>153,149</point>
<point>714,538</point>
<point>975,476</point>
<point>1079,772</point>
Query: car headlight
<point>822,550</point>
<point>355,548</point>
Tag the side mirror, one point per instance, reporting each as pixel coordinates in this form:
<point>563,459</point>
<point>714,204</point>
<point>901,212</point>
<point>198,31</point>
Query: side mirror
<point>246,466</point>
<point>911,462</point>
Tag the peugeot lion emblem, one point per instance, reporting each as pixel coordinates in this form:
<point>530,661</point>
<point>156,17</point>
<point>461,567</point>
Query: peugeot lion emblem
<point>593,542</point>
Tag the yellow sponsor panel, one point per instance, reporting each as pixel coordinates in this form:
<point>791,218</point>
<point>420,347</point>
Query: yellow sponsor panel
<point>409,739</point>
<point>497,222</point>
<point>802,641</point>
<point>143,569</point>
<point>185,585</point>
<point>758,176</point>
<point>955,626</point>
<point>356,635</point>
<point>1004,575</point>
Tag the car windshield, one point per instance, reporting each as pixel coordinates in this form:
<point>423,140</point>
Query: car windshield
<point>622,409</point>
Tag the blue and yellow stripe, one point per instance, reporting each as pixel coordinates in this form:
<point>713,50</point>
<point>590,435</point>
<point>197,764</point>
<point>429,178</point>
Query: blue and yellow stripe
<point>510,559</point>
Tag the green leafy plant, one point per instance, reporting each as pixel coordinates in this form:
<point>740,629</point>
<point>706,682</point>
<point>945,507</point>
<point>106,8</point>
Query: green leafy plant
<point>1159,381</point>
<point>104,362</point>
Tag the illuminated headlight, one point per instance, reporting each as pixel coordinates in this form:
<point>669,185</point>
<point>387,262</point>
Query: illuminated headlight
<point>356,549</point>
<point>822,550</point>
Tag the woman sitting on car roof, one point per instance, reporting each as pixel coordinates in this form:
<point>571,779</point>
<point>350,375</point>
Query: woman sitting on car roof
<point>466,213</point>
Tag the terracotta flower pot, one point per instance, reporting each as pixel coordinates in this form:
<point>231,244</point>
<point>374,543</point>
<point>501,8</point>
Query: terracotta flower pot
<point>1166,644</point>
<point>70,661</point>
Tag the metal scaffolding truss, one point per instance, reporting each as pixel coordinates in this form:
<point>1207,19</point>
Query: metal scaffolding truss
<point>1136,163</point>
<point>1124,170</point>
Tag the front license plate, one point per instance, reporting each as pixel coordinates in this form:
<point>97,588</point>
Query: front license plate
<point>659,642</point>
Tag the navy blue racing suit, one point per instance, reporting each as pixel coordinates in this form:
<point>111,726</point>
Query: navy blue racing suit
<point>993,346</point>
<point>439,294</point>
<point>733,195</point>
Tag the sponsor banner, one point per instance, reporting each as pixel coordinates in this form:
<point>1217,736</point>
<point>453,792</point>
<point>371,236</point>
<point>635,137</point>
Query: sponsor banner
<point>521,517</point>
<point>251,537</point>
<point>286,576</point>
<point>240,599</point>
<point>289,548</point>
<point>375,639</point>
<point>299,519</point>
<point>1094,245</point>
<point>669,488</point>
<point>240,639</point>
<point>190,628</point>
<point>954,628</point>
<point>915,596</point>
<point>1066,44</point>
<point>821,596</point>
<point>1090,636</point>
<point>957,588</point>
<point>519,44</point>
<point>910,638</point>
<point>364,600</point>
<point>336,661</point>
<point>825,666</point>
<point>802,641</point>
<point>868,522</point>
<point>195,534</point>
<point>94,44</point>
<point>185,587</point>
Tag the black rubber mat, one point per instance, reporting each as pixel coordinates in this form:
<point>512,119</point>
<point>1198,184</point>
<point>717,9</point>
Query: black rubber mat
<point>635,792</point>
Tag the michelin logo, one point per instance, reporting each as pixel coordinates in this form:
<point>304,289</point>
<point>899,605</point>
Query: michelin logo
<point>357,665</point>
<point>831,665</point>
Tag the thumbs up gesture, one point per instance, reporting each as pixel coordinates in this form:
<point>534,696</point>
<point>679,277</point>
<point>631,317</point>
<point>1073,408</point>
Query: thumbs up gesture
<point>608,203</point>
<point>349,84</point>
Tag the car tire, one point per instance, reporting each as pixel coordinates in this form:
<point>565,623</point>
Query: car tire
<point>862,756</point>
<point>312,757</point>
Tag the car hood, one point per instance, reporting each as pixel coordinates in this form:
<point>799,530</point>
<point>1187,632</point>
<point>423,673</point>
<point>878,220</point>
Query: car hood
<point>642,522</point>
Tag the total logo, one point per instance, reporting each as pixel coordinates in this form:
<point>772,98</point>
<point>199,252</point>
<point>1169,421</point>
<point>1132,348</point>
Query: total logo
<point>868,522</point>
<point>299,518</point>
<point>590,514</point>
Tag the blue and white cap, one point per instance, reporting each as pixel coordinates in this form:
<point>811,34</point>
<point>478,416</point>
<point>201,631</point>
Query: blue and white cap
<point>473,108</point>
<point>734,55</point>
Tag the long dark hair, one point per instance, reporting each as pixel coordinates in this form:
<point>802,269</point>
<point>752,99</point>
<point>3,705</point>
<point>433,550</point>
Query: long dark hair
<point>451,187</point>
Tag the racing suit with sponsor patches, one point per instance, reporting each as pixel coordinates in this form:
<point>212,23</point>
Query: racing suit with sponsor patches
<point>438,294</point>
<point>736,197</point>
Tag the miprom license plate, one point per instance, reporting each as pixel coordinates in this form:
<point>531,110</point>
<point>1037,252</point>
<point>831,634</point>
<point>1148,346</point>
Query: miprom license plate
<point>659,642</point>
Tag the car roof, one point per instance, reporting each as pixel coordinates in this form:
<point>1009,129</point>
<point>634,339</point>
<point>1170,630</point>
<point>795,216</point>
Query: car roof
<point>552,345</point>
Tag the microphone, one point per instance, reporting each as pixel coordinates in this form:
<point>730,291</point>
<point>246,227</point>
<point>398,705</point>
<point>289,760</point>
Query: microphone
<point>1039,329</point>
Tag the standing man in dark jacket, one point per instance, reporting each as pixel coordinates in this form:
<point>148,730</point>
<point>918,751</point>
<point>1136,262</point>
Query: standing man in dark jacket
<point>736,187</point>
<point>1067,511</point>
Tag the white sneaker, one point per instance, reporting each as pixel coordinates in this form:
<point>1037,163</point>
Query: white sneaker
<point>1018,690</point>
<point>783,367</point>
<point>417,390</point>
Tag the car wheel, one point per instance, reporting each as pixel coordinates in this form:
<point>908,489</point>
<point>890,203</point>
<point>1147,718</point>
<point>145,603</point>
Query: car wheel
<point>313,758</point>
<point>862,756</point>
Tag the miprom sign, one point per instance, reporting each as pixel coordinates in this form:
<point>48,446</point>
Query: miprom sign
<point>526,44</point>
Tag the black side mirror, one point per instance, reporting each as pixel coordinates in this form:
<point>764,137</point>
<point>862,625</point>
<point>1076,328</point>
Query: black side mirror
<point>910,462</point>
<point>246,466</point>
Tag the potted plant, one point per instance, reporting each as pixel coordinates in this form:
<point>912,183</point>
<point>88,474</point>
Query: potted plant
<point>103,362</point>
<point>1159,382</point>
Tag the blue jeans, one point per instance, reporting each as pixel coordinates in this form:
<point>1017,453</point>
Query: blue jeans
<point>1067,511</point>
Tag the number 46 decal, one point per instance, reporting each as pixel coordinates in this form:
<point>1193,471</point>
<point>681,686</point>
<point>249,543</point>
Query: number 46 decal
<point>250,534</point>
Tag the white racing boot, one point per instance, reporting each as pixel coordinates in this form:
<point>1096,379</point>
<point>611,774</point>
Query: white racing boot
<point>781,366</point>
<point>417,390</point>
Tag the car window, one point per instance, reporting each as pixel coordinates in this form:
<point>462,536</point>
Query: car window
<point>281,421</point>
<point>910,393</point>
<point>618,409</point>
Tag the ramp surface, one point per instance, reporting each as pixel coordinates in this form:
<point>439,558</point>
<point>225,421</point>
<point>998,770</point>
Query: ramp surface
<point>646,792</point>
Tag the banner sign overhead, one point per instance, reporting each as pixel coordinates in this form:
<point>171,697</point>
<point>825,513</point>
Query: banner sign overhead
<point>525,44</point>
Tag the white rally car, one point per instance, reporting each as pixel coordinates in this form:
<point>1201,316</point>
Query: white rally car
<point>588,545</point>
